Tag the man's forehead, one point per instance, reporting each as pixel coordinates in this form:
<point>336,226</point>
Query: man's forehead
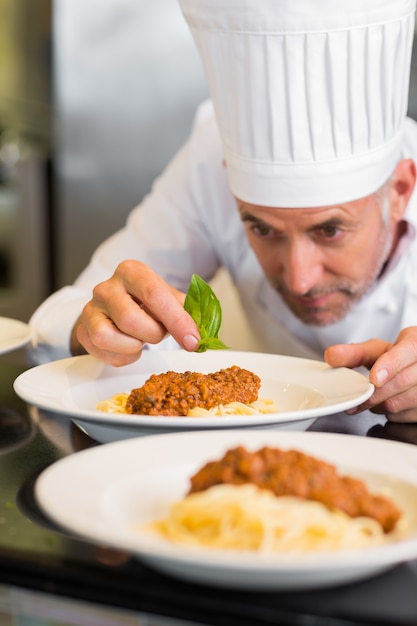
<point>268,214</point>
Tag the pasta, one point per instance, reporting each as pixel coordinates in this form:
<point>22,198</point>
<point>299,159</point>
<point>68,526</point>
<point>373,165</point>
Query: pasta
<point>248,518</point>
<point>262,405</point>
<point>117,405</point>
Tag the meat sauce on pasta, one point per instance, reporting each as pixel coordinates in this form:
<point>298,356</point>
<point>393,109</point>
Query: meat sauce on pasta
<point>176,393</point>
<point>293,473</point>
<point>230,391</point>
<point>276,500</point>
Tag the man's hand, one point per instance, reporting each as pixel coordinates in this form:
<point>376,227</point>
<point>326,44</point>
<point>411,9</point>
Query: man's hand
<point>132,308</point>
<point>393,371</point>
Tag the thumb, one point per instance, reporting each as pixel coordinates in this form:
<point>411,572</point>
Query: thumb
<point>356,354</point>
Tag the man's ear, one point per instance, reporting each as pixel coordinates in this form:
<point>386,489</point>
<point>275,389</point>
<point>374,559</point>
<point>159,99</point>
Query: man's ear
<point>401,187</point>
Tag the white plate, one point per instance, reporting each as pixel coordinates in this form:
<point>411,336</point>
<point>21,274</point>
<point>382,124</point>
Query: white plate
<point>303,390</point>
<point>110,490</point>
<point>13,334</point>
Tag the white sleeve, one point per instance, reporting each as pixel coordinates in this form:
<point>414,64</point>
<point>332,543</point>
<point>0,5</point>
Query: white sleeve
<point>51,325</point>
<point>167,231</point>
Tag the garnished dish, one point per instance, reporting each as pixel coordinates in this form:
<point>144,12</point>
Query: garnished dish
<point>302,390</point>
<point>230,391</point>
<point>114,494</point>
<point>280,501</point>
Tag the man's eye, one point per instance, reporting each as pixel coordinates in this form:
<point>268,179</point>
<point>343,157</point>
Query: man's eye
<point>328,231</point>
<point>262,230</point>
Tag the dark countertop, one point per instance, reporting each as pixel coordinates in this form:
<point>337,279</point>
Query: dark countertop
<point>37,557</point>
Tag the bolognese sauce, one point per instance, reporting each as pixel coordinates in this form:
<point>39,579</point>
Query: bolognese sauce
<point>174,393</point>
<point>290,472</point>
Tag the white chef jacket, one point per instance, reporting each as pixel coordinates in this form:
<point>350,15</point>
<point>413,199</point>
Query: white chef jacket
<point>189,223</point>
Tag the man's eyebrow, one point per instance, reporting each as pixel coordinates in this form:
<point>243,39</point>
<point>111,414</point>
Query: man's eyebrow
<point>334,222</point>
<point>245,216</point>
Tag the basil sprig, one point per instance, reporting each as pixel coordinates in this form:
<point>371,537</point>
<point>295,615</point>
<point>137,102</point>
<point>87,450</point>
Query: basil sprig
<point>204,307</point>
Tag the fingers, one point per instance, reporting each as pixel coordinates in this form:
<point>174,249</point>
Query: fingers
<point>134,307</point>
<point>394,375</point>
<point>396,360</point>
<point>162,304</point>
<point>106,332</point>
<point>123,355</point>
<point>117,319</point>
<point>393,372</point>
<point>356,354</point>
<point>397,397</point>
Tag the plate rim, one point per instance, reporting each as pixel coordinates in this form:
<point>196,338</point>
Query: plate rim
<point>46,402</point>
<point>24,339</point>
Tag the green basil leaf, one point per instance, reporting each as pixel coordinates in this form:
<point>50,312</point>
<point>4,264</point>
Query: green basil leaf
<point>205,309</point>
<point>211,343</point>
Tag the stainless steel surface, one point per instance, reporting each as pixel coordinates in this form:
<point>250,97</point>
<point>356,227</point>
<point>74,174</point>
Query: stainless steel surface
<point>24,273</point>
<point>24,150</point>
<point>126,80</point>
<point>111,109</point>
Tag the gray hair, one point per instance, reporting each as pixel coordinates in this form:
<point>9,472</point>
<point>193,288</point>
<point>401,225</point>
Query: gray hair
<point>382,196</point>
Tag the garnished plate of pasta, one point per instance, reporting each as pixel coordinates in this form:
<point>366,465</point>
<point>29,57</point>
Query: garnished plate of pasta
<point>244,509</point>
<point>289,392</point>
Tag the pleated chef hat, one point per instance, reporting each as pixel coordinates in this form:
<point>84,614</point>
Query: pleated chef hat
<point>310,95</point>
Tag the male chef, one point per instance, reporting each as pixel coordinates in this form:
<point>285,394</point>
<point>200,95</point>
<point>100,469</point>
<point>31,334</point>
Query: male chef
<point>298,178</point>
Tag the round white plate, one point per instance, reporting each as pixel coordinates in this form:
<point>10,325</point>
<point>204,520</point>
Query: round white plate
<point>13,334</point>
<point>111,490</point>
<point>303,390</point>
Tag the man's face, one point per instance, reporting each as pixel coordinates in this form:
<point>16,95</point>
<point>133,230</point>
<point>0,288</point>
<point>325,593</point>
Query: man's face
<point>321,260</point>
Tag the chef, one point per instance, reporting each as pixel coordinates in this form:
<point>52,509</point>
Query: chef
<point>298,178</point>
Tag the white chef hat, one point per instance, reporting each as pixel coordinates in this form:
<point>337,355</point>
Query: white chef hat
<point>310,95</point>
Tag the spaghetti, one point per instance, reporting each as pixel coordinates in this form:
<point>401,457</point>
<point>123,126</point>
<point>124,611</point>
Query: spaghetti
<point>117,405</point>
<point>248,518</point>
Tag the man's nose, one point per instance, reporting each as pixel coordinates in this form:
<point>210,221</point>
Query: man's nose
<point>302,267</point>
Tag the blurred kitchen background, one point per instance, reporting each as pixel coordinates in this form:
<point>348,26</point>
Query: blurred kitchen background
<point>95,98</point>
